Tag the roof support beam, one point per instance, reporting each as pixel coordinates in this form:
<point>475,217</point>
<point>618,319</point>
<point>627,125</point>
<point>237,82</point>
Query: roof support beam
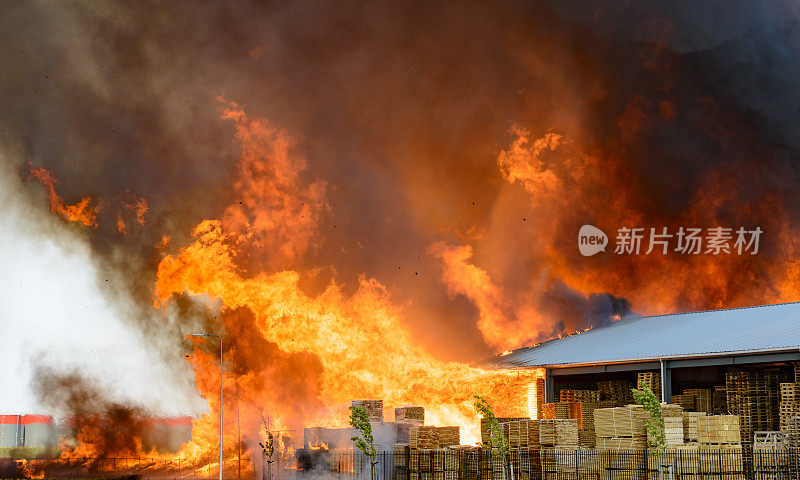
<point>549,391</point>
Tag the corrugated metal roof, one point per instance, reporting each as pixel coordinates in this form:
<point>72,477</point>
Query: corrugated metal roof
<point>634,338</point>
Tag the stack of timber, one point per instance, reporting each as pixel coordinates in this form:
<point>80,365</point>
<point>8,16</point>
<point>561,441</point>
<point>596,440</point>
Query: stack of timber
<point>719,429</point>
<point>555,410</point>
<point>521,434</point>
<point>486,431</point>
<point>618,391</point>
<point>423,438</point>
<point>536,398</point>
<point>702,399</point>
<point>374,409</point>
<point>558,432</point>
<point>567,395</point>
<point>719,400</point>
<point>433,464</point>
<point>621,427</point>
<point>685,401</point>
<point>586,433</point>
<point>412,415</point>
<point>400,454</point>
<point>652,380</point>
<point>447,436</point>
<point>673,430</point>
<point>793,430</point>
<point>753,395</point>
<point>790,403</point>
<point>690,434</point>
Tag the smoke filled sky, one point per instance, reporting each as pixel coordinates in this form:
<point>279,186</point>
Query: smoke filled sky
<point>439,157</point>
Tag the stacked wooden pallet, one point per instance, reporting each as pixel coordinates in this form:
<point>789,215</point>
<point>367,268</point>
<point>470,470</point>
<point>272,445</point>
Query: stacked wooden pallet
<point>673,430</point>
<point>558,432</point>
<point>423,437</point>
<point>412,414</point>
<point>671,410</point>
<point>400,454</point>
<point>793,430</point>
<point>521,434</point>
<point>618,391</point>
<point>486,432</point>
<point>719,400</point>
<point>790,403</point>
<point>620,421</point>
<point>536,398</point>
<point>685,401</point>
<point>569,395</point>
<point>719,429</point>
<point>755,397</point>
<point>702,399</point>
<point>555,410</point>
<point>374,408</point>
<point>446,436</point>
<point>690,434</point>
<point>621,427</point>
<point>652,380</point>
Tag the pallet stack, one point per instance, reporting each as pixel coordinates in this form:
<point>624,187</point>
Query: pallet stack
<point>618,391</point>
<point>755,397</point>
<point>486,431</point>
<point>411,415</point>
<point>719,399</point>
<point>568,395</point>
<point>790,403</point>
<point>793,431</point>
<point>673,430</point>
<point>702,399</point>
<point>690,433</point>
<point>374,409</point>
<point>621,427</point>
<point>586,433</point>
<point>521,434</point>
<point>536,398</point>
<point>652,380</point>
<point>561,432</point>
<point>447,436</point>
<point>719,430</point>
<point>423,438</point>
<point>686,401</point>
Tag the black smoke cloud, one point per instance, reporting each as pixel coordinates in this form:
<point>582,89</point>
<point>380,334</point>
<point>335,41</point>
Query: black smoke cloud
<point>402,107</point>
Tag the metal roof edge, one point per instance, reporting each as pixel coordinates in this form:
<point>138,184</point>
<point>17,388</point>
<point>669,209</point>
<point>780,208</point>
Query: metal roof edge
<point>655,359</point>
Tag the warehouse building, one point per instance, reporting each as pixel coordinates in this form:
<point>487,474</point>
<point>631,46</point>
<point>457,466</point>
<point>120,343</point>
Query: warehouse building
<point>724,352</point>
<point>27,431</point>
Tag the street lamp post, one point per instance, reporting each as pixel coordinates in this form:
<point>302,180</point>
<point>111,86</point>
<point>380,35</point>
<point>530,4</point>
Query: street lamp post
<point>220,394</point>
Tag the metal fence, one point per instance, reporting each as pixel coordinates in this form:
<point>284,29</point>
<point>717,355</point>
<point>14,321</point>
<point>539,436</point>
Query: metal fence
<point>566,464</point>
<point>442,464</point>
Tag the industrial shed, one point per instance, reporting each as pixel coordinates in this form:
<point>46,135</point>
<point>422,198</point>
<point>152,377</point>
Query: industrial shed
<point>689,350</point>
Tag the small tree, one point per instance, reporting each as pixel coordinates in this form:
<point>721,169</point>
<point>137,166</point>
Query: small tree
<point>498,443</point>
<point>655,424</point>
<point>366,443</point>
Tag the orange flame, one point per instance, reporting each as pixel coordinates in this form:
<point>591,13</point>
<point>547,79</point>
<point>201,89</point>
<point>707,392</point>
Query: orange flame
<point>81,212</point>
